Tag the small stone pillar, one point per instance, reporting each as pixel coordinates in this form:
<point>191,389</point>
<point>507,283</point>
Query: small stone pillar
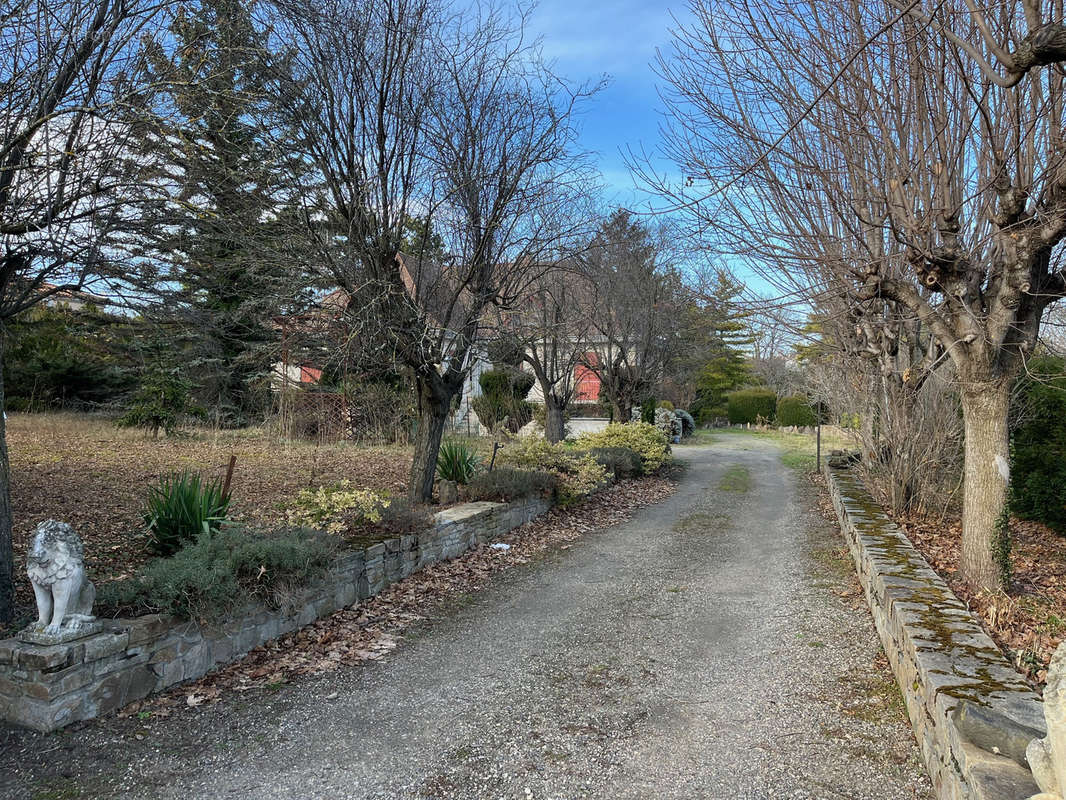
<point>1047,756</point>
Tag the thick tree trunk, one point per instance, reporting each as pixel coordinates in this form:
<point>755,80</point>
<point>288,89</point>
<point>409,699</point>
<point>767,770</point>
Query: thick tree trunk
<point>434,403</point>
<point>987,465</point>
<point>554,426</point>
<point>7,564</point>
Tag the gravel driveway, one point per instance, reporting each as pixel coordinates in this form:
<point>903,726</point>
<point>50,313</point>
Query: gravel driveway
<point>712,647</point>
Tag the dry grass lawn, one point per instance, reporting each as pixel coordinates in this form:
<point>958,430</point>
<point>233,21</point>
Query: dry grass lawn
<point>83,470</point>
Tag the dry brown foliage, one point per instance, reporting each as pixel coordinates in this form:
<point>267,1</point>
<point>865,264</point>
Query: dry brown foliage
<point>85,471</point>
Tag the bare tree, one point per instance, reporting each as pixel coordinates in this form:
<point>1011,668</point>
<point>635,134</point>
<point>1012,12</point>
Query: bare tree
<point>410,110</point>
<point>552,326</point>
<point>873,151</point>
<point>633,309</point>
<point>68,75</point>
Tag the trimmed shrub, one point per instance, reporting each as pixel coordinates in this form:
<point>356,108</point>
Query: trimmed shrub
<point>1038,447</point>
<point>688,424</point>
<point>647,410</point>
<point>503,393</point>
<point>667,405</point>
<point>337,508</point>
<point>576,410</point>
<point>578,475</point>
<point>181,508</point>
<point>645,439</point>
<point>216,573</point>
<point>795,410</point>
<point>752,405</point>
<point>506,484</point>
<point>457,461</point>
<point>622,462</point>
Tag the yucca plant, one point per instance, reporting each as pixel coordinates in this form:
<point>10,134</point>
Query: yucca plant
<point>456,461</point>
<point>182,507</point>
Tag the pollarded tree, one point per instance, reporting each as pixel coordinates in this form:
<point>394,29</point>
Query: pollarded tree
<point>909,152</point>
<point>553,327</point>
<point>69,71</point>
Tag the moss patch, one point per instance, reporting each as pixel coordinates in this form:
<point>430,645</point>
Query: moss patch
<point>736,479</point>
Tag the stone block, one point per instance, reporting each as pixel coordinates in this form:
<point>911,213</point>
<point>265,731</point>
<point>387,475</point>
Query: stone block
<point>375,552</point>
<point>52,685</point>
<point>8,649</point>
<point>50,657</point>
<point>147,628</point>
<point>971,713</point>
<point>105,644</point>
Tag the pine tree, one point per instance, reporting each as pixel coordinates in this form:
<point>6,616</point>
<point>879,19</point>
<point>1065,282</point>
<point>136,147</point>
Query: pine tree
<point>220,228</point>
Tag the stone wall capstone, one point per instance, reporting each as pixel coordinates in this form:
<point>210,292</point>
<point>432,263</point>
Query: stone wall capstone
<point>48,687</point>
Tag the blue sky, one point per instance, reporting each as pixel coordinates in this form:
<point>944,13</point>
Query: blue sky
<point>617,38</point>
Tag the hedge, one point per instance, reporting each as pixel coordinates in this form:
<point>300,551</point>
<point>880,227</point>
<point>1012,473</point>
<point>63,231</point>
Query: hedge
<point>752,405</point>
<point>795,410</point>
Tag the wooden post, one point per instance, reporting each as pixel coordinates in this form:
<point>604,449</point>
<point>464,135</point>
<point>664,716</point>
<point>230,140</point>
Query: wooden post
<point>818,456</point>
<point>229,476</point>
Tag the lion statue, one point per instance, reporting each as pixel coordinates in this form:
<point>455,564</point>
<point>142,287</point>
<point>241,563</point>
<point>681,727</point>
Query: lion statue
<point>56,567</point>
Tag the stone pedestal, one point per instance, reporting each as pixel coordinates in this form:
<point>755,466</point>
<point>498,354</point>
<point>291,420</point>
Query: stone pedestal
<point>66,634</point>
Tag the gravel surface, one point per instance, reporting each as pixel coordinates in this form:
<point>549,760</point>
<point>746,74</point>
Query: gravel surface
<point>713,647</point>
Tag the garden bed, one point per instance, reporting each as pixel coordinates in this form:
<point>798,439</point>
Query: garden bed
<point>83,470</point>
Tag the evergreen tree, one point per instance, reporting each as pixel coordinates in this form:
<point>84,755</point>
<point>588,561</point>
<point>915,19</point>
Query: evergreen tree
<point>221,228</point>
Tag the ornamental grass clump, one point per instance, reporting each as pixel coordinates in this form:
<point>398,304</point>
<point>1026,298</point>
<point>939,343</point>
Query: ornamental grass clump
<point>337,508</point>
<point>181,508</point>
<point>457,461</point>
<point>641,437</point>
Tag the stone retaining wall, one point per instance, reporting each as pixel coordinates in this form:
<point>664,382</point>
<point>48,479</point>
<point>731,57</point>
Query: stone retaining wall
<point>972,714</point>
<point>47,687</point>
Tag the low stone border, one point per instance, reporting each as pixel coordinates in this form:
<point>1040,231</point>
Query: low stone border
<point>48,687</point>
<point>972,714</point>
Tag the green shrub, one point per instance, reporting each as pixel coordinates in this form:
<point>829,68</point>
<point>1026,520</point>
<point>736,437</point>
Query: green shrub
<point>588,410</point>
<point>1038,447</point>
<point>795,410</point>
<point>622,462</point>
<point>337,508</point>
<point>216,573</point>
<point>667,405</point>
<point>503,393</point>
<point>752,405</point>
<point>645,439</point>
<point>578,475</point>
<point>456,461</point>
<point>161,402</point>
<point>505,484</point>
<point>647,410</point>
<point>181,508</point>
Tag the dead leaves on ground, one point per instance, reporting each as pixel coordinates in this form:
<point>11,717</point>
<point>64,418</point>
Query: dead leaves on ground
<point>1029,622</point>
<point>83,470</point>
<point>370,630</point>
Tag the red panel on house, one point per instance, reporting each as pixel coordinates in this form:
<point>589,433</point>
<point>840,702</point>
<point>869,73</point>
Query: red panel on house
<point>588,382</point>
<point>310,374</point>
